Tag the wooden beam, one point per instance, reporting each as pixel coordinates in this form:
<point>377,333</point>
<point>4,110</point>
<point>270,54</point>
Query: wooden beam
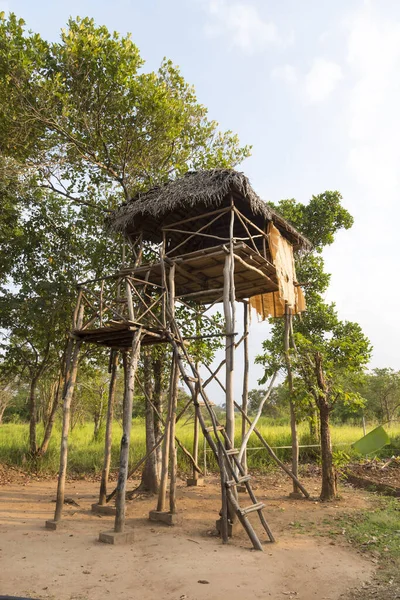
<point>130,368</point>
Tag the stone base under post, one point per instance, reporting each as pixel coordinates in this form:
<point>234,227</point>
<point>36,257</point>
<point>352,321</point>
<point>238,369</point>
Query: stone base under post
<point>163,517</point>
<point>112,537</point>
<point>232,528</point>
<point>55,525</point>
<point>104,509</point>
<point>195,482</point>
<point>296,495</point>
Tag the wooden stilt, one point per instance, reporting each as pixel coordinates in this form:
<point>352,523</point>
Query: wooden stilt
<point>72,370</point>
<point>195,473</point>
<point>130,368</point>
<point>229,313</point>
<point>224,510</point>
<point>229,352</point>
<point>108,434</point>
<point>162,494</point>
<point>246,363</point>
<point>293,423</point>
<point>172,453</point>
<point>174,399</point>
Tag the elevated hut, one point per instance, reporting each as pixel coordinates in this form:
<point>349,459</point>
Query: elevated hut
<point>196,241</point>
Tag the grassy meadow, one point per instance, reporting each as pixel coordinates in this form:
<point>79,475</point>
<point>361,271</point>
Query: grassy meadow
<point>86,454</point>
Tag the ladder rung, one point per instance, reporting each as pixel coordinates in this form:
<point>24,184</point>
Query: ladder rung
<point>232,451</point>
<point>252,508</point>
<point>211,429</point>
<point>240,480</point>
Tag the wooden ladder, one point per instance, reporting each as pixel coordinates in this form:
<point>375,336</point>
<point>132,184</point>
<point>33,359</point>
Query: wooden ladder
<point>231,470</point>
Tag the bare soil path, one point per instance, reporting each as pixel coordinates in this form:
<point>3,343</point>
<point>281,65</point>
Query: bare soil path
<point>169,563</point>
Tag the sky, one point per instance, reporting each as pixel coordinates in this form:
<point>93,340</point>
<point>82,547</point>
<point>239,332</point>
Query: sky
<point>314,87</point>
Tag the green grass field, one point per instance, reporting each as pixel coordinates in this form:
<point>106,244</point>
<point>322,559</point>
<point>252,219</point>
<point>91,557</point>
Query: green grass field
<point>86,455</point>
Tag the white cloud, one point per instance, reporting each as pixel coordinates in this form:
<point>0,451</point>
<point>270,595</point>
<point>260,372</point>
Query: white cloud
<point>373,113</point>
<point>366,286</point>
<point>241,24</point>
<point>286,73</point>
<point>321,80</point>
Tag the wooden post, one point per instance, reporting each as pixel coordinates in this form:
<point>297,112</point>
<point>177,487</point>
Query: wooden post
<point>130,368</point>
<point>173,454</point>
<point>166,446</point>
<point>195,474</point>
<point>293,424</point>
<point>174,398</point>
<point>229,356</point>
<point>72,362</point>
<point>205,455</point>
<point>229,313</point>
<point>224,511</point>
<point>245,394</point>
<point>108,435</point>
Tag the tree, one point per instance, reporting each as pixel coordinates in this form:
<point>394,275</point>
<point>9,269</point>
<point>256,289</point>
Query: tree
<point>276,406</point>
<point>7,391</point>
<point>87,127</point>
<point>382,392</point>
<point>96,122</point>
<point>324,348</point>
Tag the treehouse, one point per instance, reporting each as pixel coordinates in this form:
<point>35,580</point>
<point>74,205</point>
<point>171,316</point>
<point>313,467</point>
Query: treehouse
<point>196,218</point>
<point>199,224</point>
<point>194,242</point>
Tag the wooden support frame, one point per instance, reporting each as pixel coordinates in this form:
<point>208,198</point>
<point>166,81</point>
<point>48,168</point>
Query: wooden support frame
<point>246,365</point>
<point>108,432</point>
<point>134,318</point>
<point>229,313</point>
<point>130,368</point>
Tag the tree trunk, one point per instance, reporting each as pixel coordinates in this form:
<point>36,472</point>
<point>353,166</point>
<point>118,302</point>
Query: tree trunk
<point>295,445</point>
<point>313,425</point>
<point>150,475</point>
<point>158,403</point>
<point>329,480</point>
<point>108,434</point>
<point>97,425</point>
<point>32,417</point>
<point>293,423</point>
<point>52,417</point>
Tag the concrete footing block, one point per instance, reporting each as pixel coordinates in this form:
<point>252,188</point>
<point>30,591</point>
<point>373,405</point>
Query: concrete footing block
<point>296,495</point>
<point>232,528</point>
<point>55,525</point>
<point>104,509</point>
<point>112,537</point>
<point>163,517</point>
<point>195,482</point>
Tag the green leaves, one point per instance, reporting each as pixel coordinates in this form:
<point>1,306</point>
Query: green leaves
<point>320,219</point>
<point>83,127</point>
<point>329,350</point>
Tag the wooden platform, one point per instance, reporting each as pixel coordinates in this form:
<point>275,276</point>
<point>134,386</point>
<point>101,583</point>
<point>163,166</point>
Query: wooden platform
<point>199,275</point>
<point>119,335</point>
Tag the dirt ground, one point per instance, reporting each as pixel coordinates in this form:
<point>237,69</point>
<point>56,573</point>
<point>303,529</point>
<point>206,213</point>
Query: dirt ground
<point>184,562</point>
<point>379,473</point>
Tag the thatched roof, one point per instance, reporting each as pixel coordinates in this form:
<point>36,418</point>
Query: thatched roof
<point>190,195</point>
